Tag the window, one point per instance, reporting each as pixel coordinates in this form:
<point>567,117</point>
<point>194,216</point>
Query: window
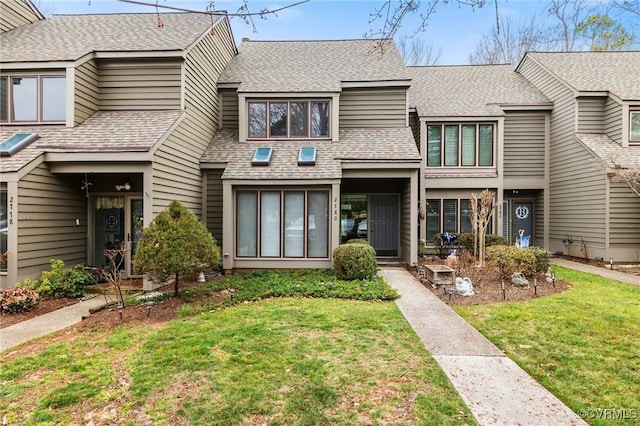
<point>32,99</point>
<point>288,119</point>
<point>467,145</point>
<point>634,127</point>
<point>283,224</point>
<point>450,215</point>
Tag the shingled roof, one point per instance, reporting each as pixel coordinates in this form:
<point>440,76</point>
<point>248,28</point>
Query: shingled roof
<point>607,149</point>
<point>381,145</point>
<point>615,72</point>
<point>470,90</point>
<point>104,131</point>
<point>69,37</point>
<point>311,66</point>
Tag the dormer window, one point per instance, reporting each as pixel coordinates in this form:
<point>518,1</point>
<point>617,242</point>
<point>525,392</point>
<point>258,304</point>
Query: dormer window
<point>288,119</point>
<point>33,99</point>
<point>634,127</point>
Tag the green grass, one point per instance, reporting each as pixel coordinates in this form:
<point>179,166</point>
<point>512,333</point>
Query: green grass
<point>583,345</point>
<point>282,361</point>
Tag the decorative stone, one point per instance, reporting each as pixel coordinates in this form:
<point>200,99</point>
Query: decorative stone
<point>518,280</point>
<point>464,286</point>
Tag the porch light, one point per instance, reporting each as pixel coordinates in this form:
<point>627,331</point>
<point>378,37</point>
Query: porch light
<point>124,187</point>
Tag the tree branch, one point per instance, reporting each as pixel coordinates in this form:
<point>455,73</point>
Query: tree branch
<point>217,12</point>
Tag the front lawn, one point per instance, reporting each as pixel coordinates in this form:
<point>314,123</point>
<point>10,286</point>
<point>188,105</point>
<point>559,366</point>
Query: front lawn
<point>582,345</point>
<point>292,360</point>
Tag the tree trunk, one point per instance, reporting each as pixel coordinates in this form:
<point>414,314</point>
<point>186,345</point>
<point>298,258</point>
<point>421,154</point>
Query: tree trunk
<point>175,287</point>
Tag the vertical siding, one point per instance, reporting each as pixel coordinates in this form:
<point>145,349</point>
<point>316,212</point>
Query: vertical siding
<point>624,217</point>
<point>14,13</point>
<point>176,164</point>
<point>85,91</point>
<point>373,107</point>
<point>47,212</point>
<point>524,137</point>
<point>577,187</point>
<point>229,109</point>
<point>591,114</point>
<point>214,204</point>
<point>125,84</point>
<point>613,120</point>
<point>406,227</point>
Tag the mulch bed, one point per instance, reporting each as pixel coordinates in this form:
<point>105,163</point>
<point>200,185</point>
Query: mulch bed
<point>42,306</point>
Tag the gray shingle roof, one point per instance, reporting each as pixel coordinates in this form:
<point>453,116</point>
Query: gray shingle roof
<point>471,90</point>
<point>311,66</point>
<point>616,72</point>
<point>606,148</point>
<point>383,145</point>
<point>104,131</point>
<point>68,37</point>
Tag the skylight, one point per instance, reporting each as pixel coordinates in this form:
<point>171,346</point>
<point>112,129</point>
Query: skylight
<point>262,156</point>
<point>307,156</point>
<point>15,143</point>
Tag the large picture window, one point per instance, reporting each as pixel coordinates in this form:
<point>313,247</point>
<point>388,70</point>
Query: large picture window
<point>288,119</point>
<point>454,145</point>
<point>32,99</point>
<point>634,127</point>
<point>449,215</point>
<point>282,224</point>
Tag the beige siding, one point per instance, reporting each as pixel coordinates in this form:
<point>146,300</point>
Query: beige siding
<point>414,123</point>
<point>14,13</point>
<point>47,213</point>
<point>405,223</point>
<point>229,109</point>
<point>539,219</point>
<point>214,204</point>
<point>577,185</point>
<point>373,107</point>
<point>85,91</point>
<point>613,120</point>
<point>624,219</point>
<point>176,164</point>
<point>127,84</point>
<point>591,114</point>
<point>524,138</point>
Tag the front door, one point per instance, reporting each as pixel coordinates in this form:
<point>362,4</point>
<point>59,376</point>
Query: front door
<point>522,220</point>
<point>117,223</point>
<point>383,226</point>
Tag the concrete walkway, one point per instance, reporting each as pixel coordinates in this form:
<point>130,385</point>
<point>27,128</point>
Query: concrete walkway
<point>495,389</point>
<point>47,323</point>
<point>604,272</point>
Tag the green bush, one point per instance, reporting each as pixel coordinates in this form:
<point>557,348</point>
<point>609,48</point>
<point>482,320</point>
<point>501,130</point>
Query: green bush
<point>14,300</point>
<point>495,240</point>
<point>510,259</point>
<point>354,261</point>
<point>542,259</point>
<point>59,281</point>
<point>465,242</point>
<point>357,241</point>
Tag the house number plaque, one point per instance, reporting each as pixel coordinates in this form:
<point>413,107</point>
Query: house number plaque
<point>335,208</point>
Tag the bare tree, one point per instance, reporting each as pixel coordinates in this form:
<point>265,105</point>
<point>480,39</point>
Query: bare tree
<point>630,174</point>
<point>631,6</point>
<point>510,43</point>
<point>481,211</point>
<point>569,13</point>
<point>416,51</point>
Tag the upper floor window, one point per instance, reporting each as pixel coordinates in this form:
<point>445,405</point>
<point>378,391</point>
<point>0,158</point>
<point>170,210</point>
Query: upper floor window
<point>32,99</point>
<point>634,127</point>
<point>288,119</point>
<point>453,145</point>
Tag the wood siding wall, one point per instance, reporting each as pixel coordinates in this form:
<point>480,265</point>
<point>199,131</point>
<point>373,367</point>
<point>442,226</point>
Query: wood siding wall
<point>374,107</point>
<point>539,219</point>
<point>613,120</point>
<point>591,114</point>
<point>577,186</point>
<point>230,112</point>
<point>176,164</point>
<point>14,13</point>
<point>524,138</point>
<point>214,204</point>
<point>406,227</point>
<point>126,84</point>
<point>47,212</point>
<point>85,91</point>
<point>624,219</point>
<point>414,123</point>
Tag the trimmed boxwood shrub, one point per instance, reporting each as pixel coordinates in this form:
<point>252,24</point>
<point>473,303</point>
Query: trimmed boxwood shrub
<point>542,259</point>
<point>510,259</point>
<point>357,241</point>
<point>354,261</point>
<point>465,242</point>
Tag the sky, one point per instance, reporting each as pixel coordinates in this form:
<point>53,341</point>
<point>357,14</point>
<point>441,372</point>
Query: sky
<point>454,30</point>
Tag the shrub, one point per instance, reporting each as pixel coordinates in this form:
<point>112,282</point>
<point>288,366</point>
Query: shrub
<point>465,242</point>
<point>495,240</point>
<point>357,241</point>
<point>510,259</point>
<point>542,259</point>
<point>354,261</point>
<point>59,281</point>
<point>14,300</point>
